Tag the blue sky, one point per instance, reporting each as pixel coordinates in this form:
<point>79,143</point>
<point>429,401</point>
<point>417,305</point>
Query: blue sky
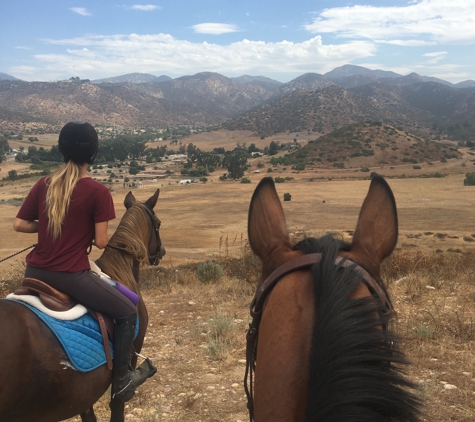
<point>51,40</point>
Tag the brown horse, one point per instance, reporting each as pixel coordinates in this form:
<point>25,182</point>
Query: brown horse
<point>35,384</point>
<point>324,350</point>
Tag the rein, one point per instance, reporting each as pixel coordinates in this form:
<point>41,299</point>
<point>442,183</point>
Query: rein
<point>265,289</point>
<point>19,252</point>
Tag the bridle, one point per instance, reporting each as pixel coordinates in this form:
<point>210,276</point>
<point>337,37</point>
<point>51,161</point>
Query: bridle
<point>155,223</point>
<point>265,288</point>
<point>154,259</point>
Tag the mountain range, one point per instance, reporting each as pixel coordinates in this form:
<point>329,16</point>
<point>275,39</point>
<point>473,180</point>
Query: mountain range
<point>311,102</point>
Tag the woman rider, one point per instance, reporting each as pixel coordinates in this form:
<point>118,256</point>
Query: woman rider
<point>70,211</point>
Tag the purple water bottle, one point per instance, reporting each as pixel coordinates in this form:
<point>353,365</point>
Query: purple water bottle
<point>129,294</point>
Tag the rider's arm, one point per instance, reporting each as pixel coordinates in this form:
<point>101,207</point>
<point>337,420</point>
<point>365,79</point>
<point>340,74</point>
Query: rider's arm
<point>100,236</point>
<point>25,226</point>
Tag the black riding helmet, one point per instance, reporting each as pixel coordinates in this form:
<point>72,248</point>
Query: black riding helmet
<point>78,142</point>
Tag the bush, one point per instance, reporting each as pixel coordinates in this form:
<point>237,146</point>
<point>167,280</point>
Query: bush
<point>469,179</point>
<point>209,271</point>
<point>245,180</point>
<point>287,196</point>
<point>416,167</point>
<point>270,170</point>
<point>279,180</point>
<point>364,169</point>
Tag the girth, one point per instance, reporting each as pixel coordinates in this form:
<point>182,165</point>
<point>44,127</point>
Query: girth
<point>265,289</point>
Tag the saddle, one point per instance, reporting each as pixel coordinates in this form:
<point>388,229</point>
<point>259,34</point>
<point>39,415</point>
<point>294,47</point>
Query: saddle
<point>58,301</point>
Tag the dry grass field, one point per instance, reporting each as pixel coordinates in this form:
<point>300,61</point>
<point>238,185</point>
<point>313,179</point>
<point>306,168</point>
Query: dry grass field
<point>197,330</point>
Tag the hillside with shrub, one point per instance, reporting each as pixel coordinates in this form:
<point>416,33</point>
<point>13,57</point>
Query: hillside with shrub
<point>324,110</point>
<point>372,144</point>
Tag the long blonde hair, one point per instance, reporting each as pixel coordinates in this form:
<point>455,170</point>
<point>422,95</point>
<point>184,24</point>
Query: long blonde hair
<point>58,195</point>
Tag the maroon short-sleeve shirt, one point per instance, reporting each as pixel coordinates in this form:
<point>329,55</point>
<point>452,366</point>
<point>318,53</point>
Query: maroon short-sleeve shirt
<point>91,202</point>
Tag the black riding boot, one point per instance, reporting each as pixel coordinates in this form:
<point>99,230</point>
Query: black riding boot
<point>124,379</point>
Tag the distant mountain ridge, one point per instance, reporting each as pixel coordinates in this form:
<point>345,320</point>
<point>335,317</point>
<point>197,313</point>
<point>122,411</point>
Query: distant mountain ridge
<point>6,77</point>
<point>352,70</point>
<point>311,102</point>
<point>133,78</point>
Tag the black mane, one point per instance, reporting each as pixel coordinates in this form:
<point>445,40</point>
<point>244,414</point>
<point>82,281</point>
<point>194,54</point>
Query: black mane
<point>355,368</point>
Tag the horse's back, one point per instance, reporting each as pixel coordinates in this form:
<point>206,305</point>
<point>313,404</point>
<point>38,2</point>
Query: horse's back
<point>36,382</point>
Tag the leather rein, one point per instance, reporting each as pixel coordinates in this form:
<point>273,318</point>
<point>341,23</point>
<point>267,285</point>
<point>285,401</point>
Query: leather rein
<point>153,259</point>
<point>265,288</point>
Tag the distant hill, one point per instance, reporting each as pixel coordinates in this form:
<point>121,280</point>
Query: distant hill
<point>203,99</point>
<point>452,110</point>
<point>465,84</point>
<point>352,70</point>
<point>134,78</point>
<point>370,144</point>
<point>6,77</point>
<point>324,110</point>
<point>262,81</point>
<point>306,81</point>
<point>311,102</point>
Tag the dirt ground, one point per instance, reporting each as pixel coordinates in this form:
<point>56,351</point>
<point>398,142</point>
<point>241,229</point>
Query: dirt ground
<point>201,380</point>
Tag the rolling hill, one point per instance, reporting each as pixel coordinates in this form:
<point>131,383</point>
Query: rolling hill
<point>370,144</point>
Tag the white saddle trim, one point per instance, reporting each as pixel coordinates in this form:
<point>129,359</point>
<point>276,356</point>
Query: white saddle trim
<point>74,313</point>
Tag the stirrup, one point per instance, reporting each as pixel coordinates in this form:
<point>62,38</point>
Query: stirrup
<point>136,378</point>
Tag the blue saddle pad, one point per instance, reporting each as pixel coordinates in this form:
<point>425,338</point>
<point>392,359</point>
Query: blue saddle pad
<point>81,339</point>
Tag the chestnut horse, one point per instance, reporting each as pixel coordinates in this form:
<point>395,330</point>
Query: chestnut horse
<point>324,351</point>
<point>35,384</point>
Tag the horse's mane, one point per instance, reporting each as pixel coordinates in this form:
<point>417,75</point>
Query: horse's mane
<point>355,368</point>
<point>130,237</point>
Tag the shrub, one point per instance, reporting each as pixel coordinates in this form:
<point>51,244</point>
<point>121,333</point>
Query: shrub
<point>364,169</point>
<point>279,180</point>
<point>416,167</point>
<point>469,179</point>
<point>287,196</point>
<point>209,271</point>
<point>245,180</point>
<point>269,170</point>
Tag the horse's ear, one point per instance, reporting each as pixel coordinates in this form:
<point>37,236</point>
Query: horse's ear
<point>267,230</point>
<point>376,232</point>
<point>129,200</point>
<point>152,201</point>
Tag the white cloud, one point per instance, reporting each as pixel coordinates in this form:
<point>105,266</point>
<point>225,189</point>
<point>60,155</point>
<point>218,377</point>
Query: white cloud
<point>215,28</point>
<point>435,57</point>
<point>439,21</point>
<point>80,11</point>
<point>145,7</point>
<point>98,56</point>
<point>407,43</point>
<point>435,54</point>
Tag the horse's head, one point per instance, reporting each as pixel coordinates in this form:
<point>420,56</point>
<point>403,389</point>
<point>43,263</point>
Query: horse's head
<point>155,249</point>
<point>374,238</point>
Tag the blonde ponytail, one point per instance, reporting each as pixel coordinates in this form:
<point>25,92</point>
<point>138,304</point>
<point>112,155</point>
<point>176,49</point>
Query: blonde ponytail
<point>58,195</point>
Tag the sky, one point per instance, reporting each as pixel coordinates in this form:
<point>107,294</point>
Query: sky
<point>49,40</point>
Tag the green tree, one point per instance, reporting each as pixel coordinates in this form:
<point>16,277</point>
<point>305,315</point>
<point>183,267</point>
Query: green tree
<point>4,147</point>
<point>273,148</point>
<point>236,163</point>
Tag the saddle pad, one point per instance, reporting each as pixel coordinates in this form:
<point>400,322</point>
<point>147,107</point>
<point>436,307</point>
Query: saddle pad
<point>81,339</point>
<point>74,313</point>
